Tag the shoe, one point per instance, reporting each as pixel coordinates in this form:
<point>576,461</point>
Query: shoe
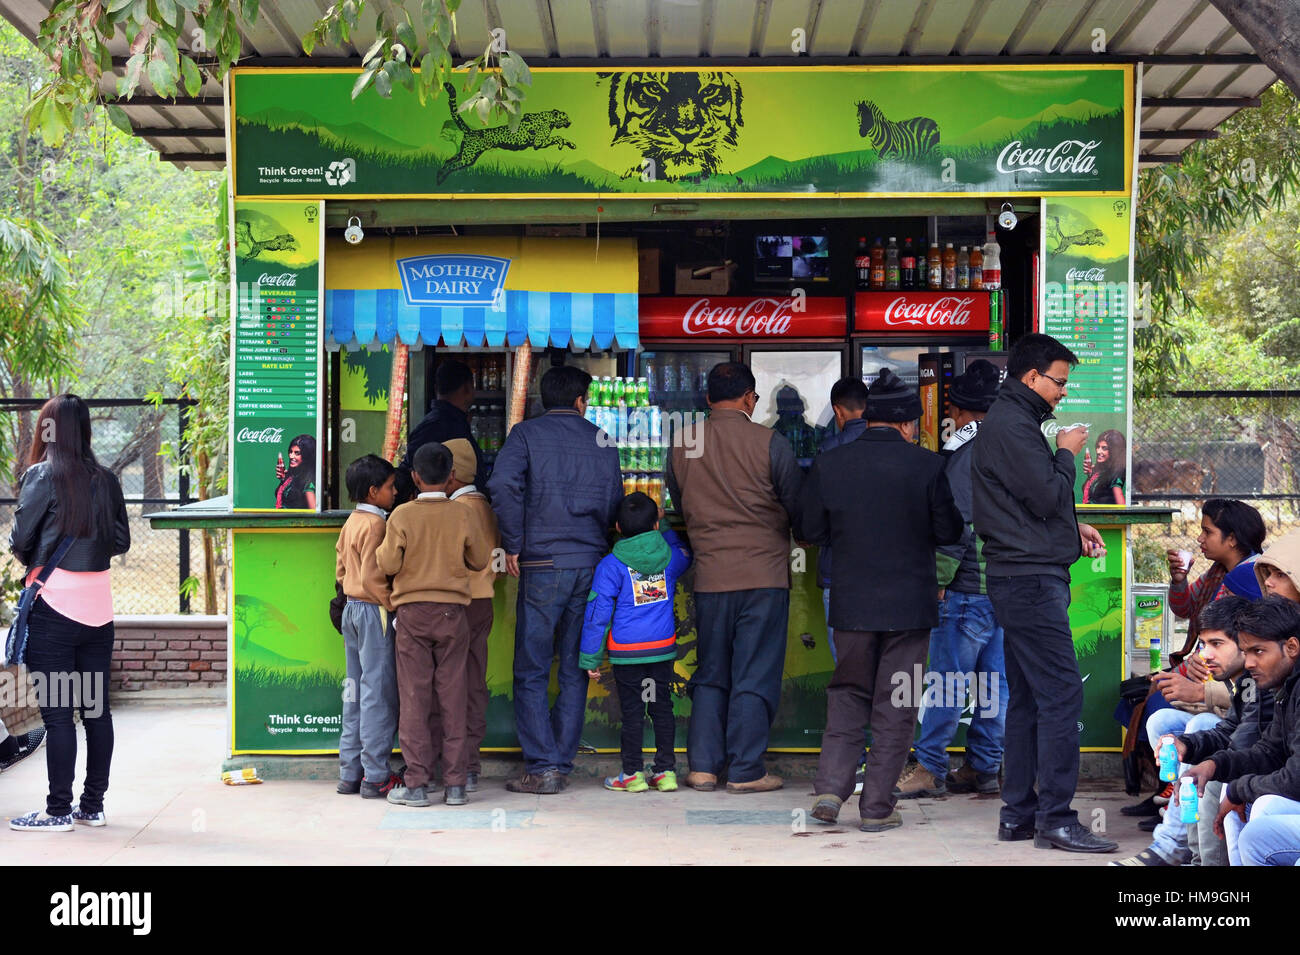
<point>623,783</point>
<point>1147,807</point>
<point>408,796</point>
<point>348,787</point>
<point>1009,833</point>
<point>92,819</point>
<point>704,782</point>
<point>917,782</point>
<point>547,784</point>
<point>1162,798</point>
<point>1149,825</point>
<point>1144,858</point>
<point>892,821</point>
<point>1072,838</point>
<point>967,780</point>
<point>665,782</point>
<point>28,743</point>
<point>379,790</point>
<point>859,778</point>
<point>41,822</point>
<point>768,783</point>
<point>826,808</point>
<point>471,782</point>
<point>455,796</point>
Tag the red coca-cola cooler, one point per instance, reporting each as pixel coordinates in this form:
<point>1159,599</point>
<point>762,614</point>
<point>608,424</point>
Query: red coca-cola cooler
<point>796,345</point>
<point>893,329</point>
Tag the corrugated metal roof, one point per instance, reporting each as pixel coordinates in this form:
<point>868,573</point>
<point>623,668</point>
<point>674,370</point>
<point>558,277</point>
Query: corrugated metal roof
<point>1194,58</point>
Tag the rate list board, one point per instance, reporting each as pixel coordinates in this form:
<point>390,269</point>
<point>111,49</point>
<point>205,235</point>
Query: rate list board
<point>276,360</point>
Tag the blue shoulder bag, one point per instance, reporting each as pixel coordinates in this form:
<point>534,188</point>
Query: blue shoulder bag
<point>16,642</point>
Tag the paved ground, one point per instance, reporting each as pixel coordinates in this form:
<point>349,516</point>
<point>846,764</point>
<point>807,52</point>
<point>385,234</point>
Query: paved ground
<point>167,806</point>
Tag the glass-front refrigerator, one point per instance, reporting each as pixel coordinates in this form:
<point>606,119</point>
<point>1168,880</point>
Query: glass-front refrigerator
<point>794,392</point>
<point>679,379</point>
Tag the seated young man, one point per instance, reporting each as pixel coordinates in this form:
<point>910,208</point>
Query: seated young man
<point>1264,781</point>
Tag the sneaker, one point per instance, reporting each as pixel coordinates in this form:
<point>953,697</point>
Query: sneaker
<point>1144,858</point>
<point>95,819</point>
<point>967,780</point>
<point>826,808</point>
<point>547,784</point>
<point>892,821</point>
<point>1149,825</point>
<point>665,782</point>
<point>455,796</point>
<point>28,743</point>
<point>859,778</point>
<point>1162,798</point>
<point>1147,807</point>
<point>41,822</point>
<point>409,796</point>
<point>623,783</point>
<point>380,790</point>
<point>471,782</point>
<point>348,787</point>
<point>765,784</point>
<point>918,782</point>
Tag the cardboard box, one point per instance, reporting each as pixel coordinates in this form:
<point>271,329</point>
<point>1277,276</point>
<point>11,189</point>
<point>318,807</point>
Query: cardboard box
<point>647,267</point>
<point>715,282</point>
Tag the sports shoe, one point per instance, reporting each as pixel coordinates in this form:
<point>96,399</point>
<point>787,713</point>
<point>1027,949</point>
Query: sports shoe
<point>471,782</point>
<point>623,783</point>
<point>665,782</point>
<point>41,822</point>
<point>1147,807</point>
<point>380,790</point>
<point>95,819</point>
<point>409,796</point>
<point>28,743</point>
<point>967,780</point>
<point>348,787</point>
<point>455,796</point>
<point>892,821</point>
<point>1162,798</point>
<point>765,784</point>
<point>917,782</point>
<point>826,808</point>
<point>1144,858</point>
<point>547,784</point>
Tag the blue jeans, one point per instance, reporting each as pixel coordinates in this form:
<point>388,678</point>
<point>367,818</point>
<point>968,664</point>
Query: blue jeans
<point>548,622</point>
<point>1169,840</point>
<point>1270,836</point>
<point>967,640</point>
<point>830,633</point>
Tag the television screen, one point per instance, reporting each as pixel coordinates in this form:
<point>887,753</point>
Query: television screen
<point>792,258</point>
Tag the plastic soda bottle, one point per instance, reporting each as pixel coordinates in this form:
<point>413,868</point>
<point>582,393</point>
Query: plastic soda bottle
<point>619,391</point>
<point>963,268</point>
<point>643,392</point>
<point>877,265</point>
<point>992,266</point>
<point>629,484</point>
<point>1155,654</point>
<point>893,268</point>
<point>1168,758</point>
<point>606,392</point>
<point>593,392</point>
<point>976,267</point>
<point>934,267</point>
<point>949,267</point>
<point>1188,802</point>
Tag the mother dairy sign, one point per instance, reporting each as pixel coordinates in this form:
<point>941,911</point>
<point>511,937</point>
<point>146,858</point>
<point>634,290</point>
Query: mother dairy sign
<point>454,280</point>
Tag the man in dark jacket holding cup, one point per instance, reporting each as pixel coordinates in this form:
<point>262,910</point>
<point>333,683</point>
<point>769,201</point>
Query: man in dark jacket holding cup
<point>884,505</point>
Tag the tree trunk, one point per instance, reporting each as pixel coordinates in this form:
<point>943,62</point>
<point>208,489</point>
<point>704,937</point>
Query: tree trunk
<point>1272,28</point>
<point>393,432</point>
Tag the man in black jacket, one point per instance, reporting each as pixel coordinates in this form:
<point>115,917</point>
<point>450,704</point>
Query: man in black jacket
<point>883,504</point>
<point>1023,499</point>
<point>448,417</point>
<point>1265,777</point>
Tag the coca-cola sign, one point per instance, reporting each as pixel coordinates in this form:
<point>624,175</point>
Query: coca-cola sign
<point>1068,156</point>
<point>767,317</point>
<point>264,436</point>
<point>921,312</point>
<point>1085,275</point>
<point>283,280</point>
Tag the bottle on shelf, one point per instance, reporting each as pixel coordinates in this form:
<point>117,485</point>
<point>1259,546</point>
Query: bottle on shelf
<point>934,267</point>
<point>892,266</point>
<point>907,277</point>
<point>963,268</point>
<point>862,263</point>
<point>992,267</point>
<point>949,267</point>
<point>976,267</point>
<point>877,265</point>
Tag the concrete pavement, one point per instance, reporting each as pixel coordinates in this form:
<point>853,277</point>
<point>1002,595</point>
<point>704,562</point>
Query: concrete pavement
<point>167,806</point>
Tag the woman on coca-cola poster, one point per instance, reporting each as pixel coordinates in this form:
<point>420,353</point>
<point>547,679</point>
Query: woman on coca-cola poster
<point>297,488</point>
<point>1105,483</point>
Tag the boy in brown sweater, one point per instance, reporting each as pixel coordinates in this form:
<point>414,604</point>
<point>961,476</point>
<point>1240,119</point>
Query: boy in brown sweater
<point>370,697</point>
<point>431,550</point>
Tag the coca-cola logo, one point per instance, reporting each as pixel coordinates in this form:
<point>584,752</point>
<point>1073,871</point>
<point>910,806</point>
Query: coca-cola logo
<point>1085,275</point>
<point>759,316</point>
<point>288,279</point>
<point>1067,156</point>
<point>265,436</point>
<point>948,311</point>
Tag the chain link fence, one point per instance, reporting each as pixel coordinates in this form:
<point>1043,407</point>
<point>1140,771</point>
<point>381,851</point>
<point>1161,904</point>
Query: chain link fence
<point>1192,445</point>
<point>129,437</point>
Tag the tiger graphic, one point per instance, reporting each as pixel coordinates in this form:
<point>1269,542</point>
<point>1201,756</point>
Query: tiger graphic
<point>908,139</point>
<point>681,122</point>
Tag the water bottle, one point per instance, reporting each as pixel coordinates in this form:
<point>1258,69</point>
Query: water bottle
<point>1189,802</point>
<point>1155,654</point>
<point>1168,758</point>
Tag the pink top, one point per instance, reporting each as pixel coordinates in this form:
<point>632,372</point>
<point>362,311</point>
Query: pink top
<point>83,596</point>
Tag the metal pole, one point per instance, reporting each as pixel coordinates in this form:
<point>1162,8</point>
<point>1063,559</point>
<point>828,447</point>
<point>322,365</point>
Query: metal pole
<point>183,419</point>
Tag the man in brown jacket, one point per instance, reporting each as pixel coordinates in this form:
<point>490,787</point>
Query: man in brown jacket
<point>738,496</point>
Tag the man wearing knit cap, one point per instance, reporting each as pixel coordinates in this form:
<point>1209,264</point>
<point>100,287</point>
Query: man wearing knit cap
<point>968,639</point>
<point>884,505</point>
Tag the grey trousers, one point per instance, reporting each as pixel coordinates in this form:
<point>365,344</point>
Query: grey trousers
<point>1207,848</point>
<point>369,695</point>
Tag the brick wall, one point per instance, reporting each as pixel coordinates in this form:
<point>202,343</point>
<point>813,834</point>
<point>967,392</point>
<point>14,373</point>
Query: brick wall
<point>168,652</point>
<point>16,689</point>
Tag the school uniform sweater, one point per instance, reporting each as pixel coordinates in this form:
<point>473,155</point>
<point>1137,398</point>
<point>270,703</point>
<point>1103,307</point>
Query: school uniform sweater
<point>432,550</point>
<point>482,583</point>
<point>355,566</point>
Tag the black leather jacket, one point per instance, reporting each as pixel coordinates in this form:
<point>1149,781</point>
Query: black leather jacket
<point>35,534</point>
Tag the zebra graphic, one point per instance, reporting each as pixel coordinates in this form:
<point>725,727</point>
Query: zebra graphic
<point>909,139</point>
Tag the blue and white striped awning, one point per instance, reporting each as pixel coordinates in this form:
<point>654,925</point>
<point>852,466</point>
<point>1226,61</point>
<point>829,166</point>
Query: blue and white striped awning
<point>368,318</point>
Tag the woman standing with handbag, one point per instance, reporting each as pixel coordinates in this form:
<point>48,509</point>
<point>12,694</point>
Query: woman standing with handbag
<point>67,496</point>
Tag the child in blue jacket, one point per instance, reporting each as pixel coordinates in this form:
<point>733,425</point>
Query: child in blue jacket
<point>630,613</point>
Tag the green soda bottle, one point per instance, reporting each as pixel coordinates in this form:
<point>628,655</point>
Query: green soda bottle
<point>619,392</point>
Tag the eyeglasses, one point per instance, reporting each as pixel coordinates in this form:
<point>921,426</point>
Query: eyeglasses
<point>756,395</point>
<point>1061,383</point>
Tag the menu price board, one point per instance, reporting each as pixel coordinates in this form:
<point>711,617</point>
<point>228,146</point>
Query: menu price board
<point>276,344</point>
<point>1088,309</point>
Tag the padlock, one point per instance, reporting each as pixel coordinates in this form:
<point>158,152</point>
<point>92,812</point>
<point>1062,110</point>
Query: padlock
<point>1007,218</point>
<point>353,232</point>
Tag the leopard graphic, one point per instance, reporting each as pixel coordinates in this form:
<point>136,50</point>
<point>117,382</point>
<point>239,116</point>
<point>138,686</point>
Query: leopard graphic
<point>1063,241</point>
<point>535,131</point>
<point>250,248</point>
